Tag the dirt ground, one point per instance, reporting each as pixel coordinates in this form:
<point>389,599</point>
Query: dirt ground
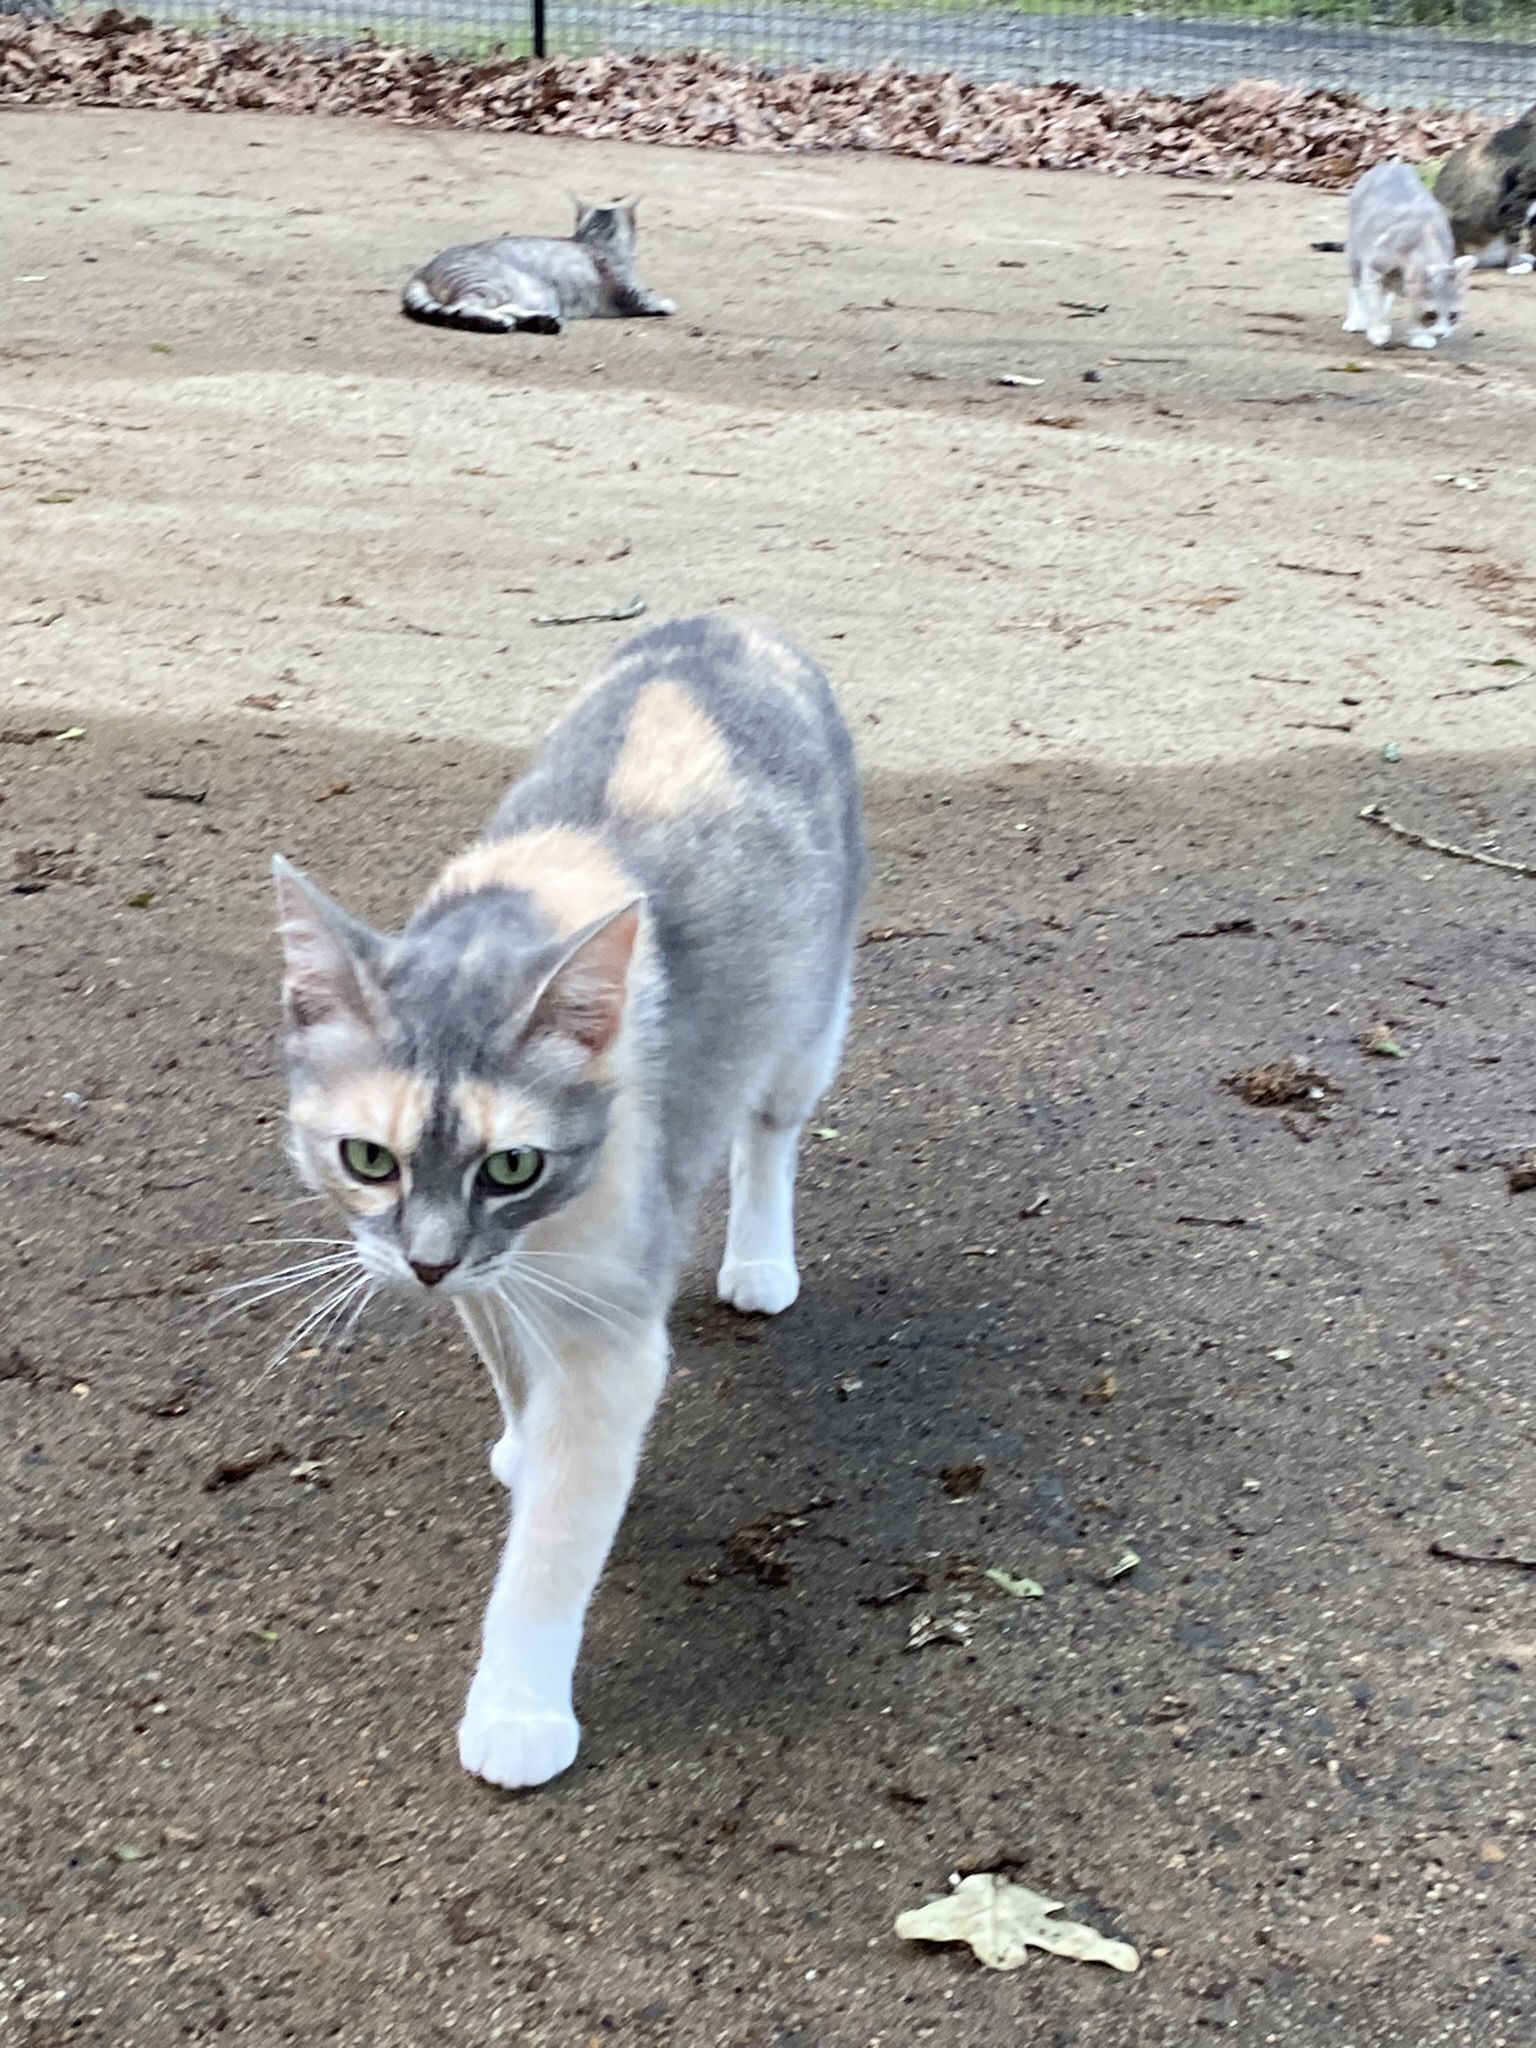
<point>276,554</point>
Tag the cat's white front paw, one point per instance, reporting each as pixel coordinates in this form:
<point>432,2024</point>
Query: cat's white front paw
<point>758,1287</point>
<point>1522,266</point>
<point>1378,336</point>
<point>664,306</point>
<point>505,1452</point>
<point>516,1750</point>
<point>1422,340</point>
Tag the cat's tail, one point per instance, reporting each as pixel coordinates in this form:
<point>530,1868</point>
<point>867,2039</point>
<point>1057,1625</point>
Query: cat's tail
<point>417,303</point>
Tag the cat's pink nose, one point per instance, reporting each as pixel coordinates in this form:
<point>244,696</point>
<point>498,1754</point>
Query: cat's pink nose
<point>430,1275</point>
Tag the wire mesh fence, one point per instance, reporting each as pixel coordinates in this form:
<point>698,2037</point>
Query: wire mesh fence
<point>1477,54</point>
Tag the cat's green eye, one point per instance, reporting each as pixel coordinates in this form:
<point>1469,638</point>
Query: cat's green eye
<point>369,1162</point>
<point>511,1172</point>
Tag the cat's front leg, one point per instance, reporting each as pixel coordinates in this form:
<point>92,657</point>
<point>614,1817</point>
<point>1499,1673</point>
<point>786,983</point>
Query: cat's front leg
<point>581,1432</point>
<point>1377,306</point>
<point>489,1334</point>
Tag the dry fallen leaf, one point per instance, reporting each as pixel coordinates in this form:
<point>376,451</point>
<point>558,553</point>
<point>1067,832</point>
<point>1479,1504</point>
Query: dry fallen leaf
<point>1381,1041</point>
<point>1003,1922</point>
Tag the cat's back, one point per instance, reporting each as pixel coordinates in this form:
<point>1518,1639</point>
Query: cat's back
<point>1391,187</point>
<point>709,756</point>
<point>472,266</point>
<point>1486,180</point>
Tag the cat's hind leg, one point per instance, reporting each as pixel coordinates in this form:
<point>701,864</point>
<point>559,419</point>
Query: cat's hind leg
<point>533,306</point>
<point>758,1274</point>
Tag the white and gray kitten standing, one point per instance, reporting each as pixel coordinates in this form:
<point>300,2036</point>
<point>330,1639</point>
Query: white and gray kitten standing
<point>533,283</point>
<point>1399,246</point>
<point>641,970</point>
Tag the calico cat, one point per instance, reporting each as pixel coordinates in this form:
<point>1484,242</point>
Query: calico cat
<point>1399,245</point>
<point>534,282</point>
<point>1489,190</point>
<point>643,966</point>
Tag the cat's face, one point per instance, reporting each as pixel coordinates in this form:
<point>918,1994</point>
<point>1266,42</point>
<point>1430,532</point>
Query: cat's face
<point>610,227</point>
<point>1437,294</point>
<point>452,1086</point>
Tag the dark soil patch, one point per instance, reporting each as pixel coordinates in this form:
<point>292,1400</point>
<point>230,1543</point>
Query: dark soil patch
<point>1286,1755</point>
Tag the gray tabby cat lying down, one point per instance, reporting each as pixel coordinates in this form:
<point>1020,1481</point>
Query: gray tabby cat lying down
<point>641,968</point>
<point>1489,191</point>
<point>534,282</point>
<point>1399,246</point>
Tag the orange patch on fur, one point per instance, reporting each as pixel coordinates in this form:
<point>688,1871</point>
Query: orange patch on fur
<point>675,758</point>
<point>494,1119</point>
<point>382,1105</point>
<point>571,876</point>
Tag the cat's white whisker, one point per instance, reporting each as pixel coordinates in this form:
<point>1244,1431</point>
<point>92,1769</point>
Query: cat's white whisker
<point>286,1276</point>
<point>314,1322</point>
<point>577,1298</point>
<point>527,1334</point>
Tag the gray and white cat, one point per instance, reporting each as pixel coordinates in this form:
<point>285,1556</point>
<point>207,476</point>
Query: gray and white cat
<point>1399,246</point>
<point>1489,190</point>
<point>641,968</point>
<point>534,282</point>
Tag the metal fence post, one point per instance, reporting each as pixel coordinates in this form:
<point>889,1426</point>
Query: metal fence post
<point>540,37</point>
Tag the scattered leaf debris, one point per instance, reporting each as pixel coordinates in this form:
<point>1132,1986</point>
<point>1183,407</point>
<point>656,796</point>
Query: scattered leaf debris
<point>1281,133</point>
<point>960,1480</point>
<point>926,1629</point>
<point>757,1548</point>
<point>1520,1179</point>
<point>1383,1042</point>
<point>1122,1567</point>
<point>233,1470</point>
<point>1279,1084</point>
<point>1002,1922</point>
<point>1016,1589</point>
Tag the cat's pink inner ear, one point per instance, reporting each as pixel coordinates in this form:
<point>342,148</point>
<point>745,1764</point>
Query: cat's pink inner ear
<point>584,997</point>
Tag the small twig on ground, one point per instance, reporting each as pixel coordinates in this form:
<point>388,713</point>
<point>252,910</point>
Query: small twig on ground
<point>617,612</point>
<point>175,796</point>
<point>1224,927</point>
<point>1221,1222</point>
<point>1313,569</point>
<point>884,933</point>
<point>38,1131</point>
<point>1373,814</point>
<point>1452,1555</point>
<point>231,1471</point>
<point>1488,689</point>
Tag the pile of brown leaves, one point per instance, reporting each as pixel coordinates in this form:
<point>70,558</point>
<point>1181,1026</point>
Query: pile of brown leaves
<point>1250,130</point>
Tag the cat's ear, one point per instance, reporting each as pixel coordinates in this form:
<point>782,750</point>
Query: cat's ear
<point>1465,264</point>
<point>583,212</point>
<point>584,994</point>
<point>329,961</point>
